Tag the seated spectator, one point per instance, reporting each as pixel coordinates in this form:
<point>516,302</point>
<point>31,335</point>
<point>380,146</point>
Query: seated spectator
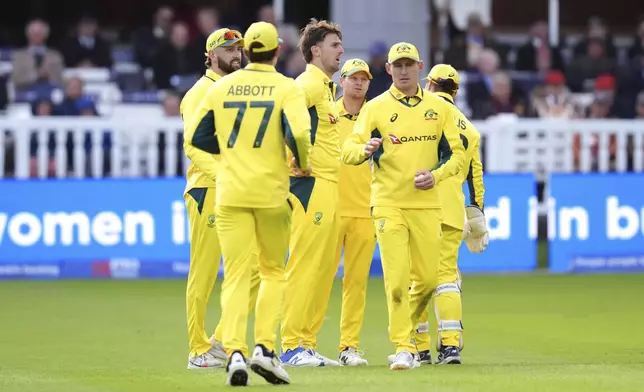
<point>537,55</point>
<point>36,64</point>
<point>176,59</point>
<point>207,22</point>
<point>596,30</point>
<point>553,99</point>
<point>583,70</point>
<point>75,102</point>
<point>87,49</point>
<point>148,40</point>
<point>466,48</point>
<point>502,99</point>
<point>381,79</point>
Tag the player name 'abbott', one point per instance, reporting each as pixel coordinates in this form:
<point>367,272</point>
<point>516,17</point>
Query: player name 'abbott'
<point>247,90</point>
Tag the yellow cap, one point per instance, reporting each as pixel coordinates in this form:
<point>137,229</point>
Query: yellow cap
<point>352,66</point>
<point>403,50</point>
<point>264,33</point>
<point>223,37</point>
<point>443,72</point>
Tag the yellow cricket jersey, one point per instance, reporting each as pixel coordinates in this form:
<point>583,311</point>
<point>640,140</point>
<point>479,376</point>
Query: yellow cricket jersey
<point>202,170</point>
<point>320,92</point>
<point>419,133</point>
<point>355,181</point>
<point>254,112</point>
<point>451,190</point>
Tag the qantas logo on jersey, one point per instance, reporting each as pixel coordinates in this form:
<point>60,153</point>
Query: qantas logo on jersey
<point>410,139</point>
<point>332,119</point>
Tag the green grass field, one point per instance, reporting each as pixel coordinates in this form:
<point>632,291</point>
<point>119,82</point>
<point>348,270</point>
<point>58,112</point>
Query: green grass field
<point>524,332</point>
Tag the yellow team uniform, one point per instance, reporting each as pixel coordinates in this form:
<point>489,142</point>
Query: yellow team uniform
<point>357,237</point>
<point>199,196</point>
<point>418,133</point>
<point>310,268</point>
<point>253,113</point>
<point>447,298</point>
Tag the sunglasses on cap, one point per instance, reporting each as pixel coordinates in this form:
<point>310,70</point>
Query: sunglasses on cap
<point>228,36</point>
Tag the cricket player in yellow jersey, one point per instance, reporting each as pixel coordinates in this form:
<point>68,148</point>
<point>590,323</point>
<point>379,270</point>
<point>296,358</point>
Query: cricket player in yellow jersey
<point>357,234</point>
<point>254,113</point>
<point>443,80</point>
<point>223,56</point>
<point>412,138</point>
<point>311,270</point>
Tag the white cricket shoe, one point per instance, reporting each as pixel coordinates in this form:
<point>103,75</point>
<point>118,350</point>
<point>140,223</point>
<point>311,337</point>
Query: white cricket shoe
<point>217,349</point>
<point>404,360</point>
<point>351,357</point>
<point>206,360</point>
<point>325,361</point>
<point>300,357</point>
<point>266,364</point>
<point>237,370</point>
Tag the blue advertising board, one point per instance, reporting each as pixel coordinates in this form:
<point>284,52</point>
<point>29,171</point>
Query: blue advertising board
<point>595,222</point>
<point>138,228</point>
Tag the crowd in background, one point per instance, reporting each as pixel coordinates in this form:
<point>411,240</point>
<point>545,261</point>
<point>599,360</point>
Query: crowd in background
<point>594,78</point>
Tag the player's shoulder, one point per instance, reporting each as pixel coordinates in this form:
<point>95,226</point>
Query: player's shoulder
<point>311,85</point>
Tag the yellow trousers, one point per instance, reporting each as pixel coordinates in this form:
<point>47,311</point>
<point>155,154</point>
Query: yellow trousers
<point>357,238</point>
<point>312,265</point>
<point>205,256</point>
<point>237,228</point>
<point>447,298</point>
<point>410,241</point>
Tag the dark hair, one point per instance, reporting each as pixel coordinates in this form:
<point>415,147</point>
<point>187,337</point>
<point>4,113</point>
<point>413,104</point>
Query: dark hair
<point>314,33</point>
<point>259,57</point>
<point>447,86</point>
<point>208,62</point>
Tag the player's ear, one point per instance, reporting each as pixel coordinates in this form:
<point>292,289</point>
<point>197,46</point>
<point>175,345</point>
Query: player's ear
<point>342,81</point>
<point>388,68</point>
<point>421,64</point>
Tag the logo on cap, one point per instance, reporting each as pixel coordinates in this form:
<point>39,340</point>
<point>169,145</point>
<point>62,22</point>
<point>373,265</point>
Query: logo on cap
<point>403,49</point>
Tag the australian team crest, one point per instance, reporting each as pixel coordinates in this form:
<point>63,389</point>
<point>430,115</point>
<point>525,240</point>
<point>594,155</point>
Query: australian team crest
<point>318,218</point>
<point>403,49</point>
<point>211,220</point>
<point>381,225</point>
<point>431,115</point>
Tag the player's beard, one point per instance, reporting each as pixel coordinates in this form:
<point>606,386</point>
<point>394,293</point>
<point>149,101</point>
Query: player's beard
<point>228,68</point>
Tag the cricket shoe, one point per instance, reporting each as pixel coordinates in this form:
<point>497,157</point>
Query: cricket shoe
<point>351,357</point>
<point>404,361</point>
<point>266,364</point>
<point>423,358</point>
<point>299,357</point>
<point>449,355</point>
<point>237,370</point>
<point>206,360</point>
<point>325,361</point>
<point>217,349</point>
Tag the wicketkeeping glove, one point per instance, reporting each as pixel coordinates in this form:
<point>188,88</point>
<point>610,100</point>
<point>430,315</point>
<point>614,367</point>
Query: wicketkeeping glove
<point>476,238</point>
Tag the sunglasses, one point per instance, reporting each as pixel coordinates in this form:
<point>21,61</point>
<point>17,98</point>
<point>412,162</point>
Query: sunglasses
<point>227,36</point>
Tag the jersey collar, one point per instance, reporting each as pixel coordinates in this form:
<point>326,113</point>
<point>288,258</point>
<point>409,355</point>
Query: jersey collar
<point>446,97</point>
<point>260,67</point>
<point>212,75</point>
<point>344,112</point>
<point>399,95</point>
<point>319,74</point>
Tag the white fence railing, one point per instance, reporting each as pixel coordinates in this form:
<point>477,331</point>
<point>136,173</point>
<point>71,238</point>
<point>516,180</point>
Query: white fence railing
<point>114,147</point>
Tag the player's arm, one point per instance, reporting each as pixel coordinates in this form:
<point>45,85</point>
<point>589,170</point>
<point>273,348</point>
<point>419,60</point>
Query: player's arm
<point>296,123</point>
<point>199,138</point>
<point>475,176</point>
<point>451,152</point>
<point>364,141</point>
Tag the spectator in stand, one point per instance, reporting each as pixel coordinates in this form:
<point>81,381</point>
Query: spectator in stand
<point>639,106</point>
<point>266,13</point>
<point>503,99</point>
<point>87,49</point>
<point>635,77</point>
<point>583,70</point>
<point>553,99</point>
<point>75,102</point>
<point>597,30</point>
<point>466,47</point>
<point>637,49</point>
<point>537,55</point>
<point>207,22</point>
<point>37,64</point>
<point>148,40</point>
<point>606,89</point>
<point>381,79</point>
<point>176,59</point>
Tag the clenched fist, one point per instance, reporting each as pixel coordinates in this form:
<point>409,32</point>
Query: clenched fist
<point>372,145</point>
<point>424,180</point>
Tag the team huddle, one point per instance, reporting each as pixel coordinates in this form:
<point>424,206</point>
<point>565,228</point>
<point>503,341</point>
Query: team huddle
<point>284,179</point>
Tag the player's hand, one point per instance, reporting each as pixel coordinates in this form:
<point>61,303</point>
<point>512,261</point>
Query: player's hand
<point>476,243</point>
<point>476,236</point>
<point>297,172</point>
<point>372,145</point>
<point>424,180</point>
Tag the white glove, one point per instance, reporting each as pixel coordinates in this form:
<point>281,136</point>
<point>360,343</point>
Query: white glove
<point>475,230</point>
